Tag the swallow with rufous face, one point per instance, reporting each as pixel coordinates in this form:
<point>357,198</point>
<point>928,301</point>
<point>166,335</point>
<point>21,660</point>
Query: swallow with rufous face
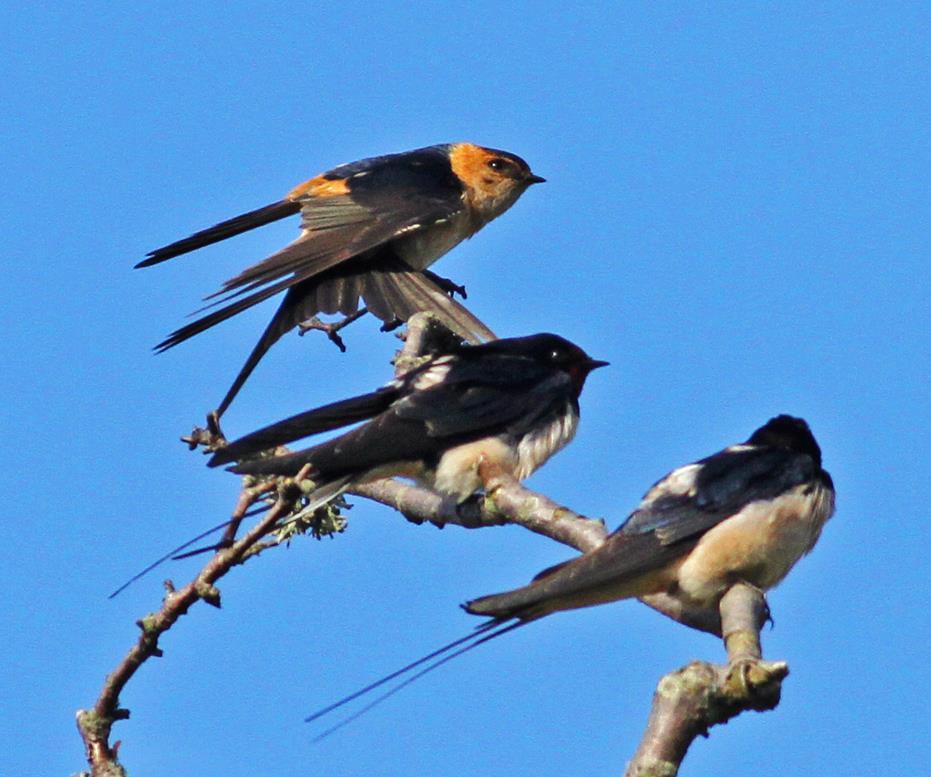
<point>369,230</point>
<point>512,403</point>
<point>745,514</point>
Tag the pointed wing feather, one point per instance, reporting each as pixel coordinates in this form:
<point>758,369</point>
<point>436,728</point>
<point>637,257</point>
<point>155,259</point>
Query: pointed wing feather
<point>677,511</point>
<point>317,251</point>
<point>316,421</point>
<point>223,230</point>
<point>422,425</point>
<point>384,197</point>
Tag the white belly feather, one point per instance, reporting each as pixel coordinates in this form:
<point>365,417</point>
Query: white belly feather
<point>457,471</point>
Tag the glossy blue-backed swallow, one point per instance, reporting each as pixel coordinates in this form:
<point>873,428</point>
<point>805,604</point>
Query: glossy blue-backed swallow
<point>747,513</point>
<point>512,402</point>
<point>369,230</point>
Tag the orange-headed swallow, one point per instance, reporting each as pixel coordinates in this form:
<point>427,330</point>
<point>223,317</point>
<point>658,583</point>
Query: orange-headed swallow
<point>748,513</point>
<point>369,230</point>
<point>512,402</point>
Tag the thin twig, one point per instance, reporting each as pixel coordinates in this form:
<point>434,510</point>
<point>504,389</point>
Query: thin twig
<point>95,724</point>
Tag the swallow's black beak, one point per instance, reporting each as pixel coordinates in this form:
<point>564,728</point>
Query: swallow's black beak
<point>532,179</point>
<point>594,364</point>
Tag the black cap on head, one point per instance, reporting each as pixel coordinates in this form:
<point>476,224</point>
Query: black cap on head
<point>786,431</point>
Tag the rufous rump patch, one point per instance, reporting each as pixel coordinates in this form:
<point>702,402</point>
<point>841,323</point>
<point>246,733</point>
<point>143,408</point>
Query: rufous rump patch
<point>321,186</point>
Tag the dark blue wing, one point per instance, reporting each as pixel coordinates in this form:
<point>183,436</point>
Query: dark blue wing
<point>475,400</point>
<point>723,485</point>
<point>316,421</point>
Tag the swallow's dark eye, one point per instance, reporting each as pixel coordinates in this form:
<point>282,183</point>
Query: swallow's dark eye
<point>556,355</point>
<point>499,165</point>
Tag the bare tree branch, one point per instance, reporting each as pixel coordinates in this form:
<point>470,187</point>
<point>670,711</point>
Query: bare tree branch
<point>508,502</point>
<point>95,724</point>
<point>688,702</point>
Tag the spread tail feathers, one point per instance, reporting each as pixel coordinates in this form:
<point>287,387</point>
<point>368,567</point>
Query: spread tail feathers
<point>483,633</point>
<point>399,292</point>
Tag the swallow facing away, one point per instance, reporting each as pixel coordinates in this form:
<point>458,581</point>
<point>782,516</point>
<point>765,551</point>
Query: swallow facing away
<point>369,230</point>
<point>513,402</point>
<point>745,514</point>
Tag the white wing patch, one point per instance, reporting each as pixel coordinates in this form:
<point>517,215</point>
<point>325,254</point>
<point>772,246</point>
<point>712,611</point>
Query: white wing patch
<point>436,373</point>
<point>679,482</point>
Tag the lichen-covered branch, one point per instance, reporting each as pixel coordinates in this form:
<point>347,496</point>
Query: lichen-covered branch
<point>689,701</point>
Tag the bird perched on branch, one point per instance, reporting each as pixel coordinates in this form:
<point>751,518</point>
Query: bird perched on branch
<point>512,403</point>
<point>745,514</point>
<point>369,230</point>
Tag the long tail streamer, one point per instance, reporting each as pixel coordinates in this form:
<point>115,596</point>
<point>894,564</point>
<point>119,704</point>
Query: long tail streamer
<point>479,636</point>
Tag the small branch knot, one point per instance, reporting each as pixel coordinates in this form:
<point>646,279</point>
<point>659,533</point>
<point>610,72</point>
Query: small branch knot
<point>752,684</point>
<point>208,592</point>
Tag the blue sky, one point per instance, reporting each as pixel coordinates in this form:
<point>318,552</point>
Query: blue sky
<point>736,217</point>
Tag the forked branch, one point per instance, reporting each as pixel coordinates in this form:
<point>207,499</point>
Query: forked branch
<point>687,702</point>
<point>95,724</point>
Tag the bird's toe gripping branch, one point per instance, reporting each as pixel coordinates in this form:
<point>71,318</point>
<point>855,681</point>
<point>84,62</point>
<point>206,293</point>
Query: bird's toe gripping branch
<point>330,329</point>
<point>447,285</point>
<point>210,438</point>
<point>749,681</point>
<point>689,701</point>
<point>754,684</point>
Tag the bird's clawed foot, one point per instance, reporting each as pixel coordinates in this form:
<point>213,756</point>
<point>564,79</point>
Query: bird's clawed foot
<point>446,285</point>
<point>755,682</point>
<point>390,326</point>
<point>767,612</point>
<point>332,329</point>
<point>211,438</point>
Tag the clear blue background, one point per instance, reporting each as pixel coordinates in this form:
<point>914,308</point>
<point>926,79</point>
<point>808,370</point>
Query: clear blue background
<point>736,217</point>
